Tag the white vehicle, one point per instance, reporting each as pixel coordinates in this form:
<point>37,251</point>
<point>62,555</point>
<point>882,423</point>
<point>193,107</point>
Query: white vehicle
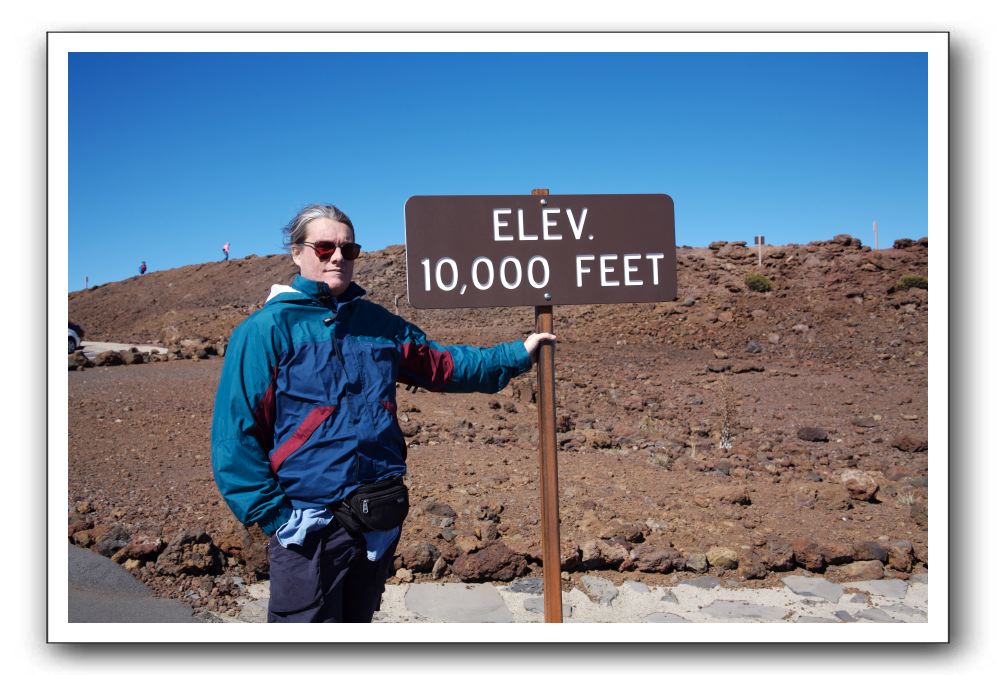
<point>75,336</point>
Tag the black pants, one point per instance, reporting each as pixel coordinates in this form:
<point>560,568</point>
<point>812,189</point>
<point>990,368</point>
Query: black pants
<point>326,580</point>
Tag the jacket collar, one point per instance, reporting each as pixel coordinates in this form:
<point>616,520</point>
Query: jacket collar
<point>319,290</point>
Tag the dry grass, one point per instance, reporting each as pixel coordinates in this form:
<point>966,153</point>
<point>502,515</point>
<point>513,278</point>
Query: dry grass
<point>906,498</point>
<point>727,403</point>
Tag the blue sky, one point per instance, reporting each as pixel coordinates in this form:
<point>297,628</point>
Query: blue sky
<point>172,154</point>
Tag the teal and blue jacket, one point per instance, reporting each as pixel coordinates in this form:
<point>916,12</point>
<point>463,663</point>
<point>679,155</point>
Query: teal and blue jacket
<point>306,410</point>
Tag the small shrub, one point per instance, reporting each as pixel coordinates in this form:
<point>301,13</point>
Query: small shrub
<point>757,282</point>
<point>905,498</point>
<point>913,281</point>
<point>661,460</point>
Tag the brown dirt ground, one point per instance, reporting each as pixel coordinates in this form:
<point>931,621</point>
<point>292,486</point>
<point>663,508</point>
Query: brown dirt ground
<point>641,417</point>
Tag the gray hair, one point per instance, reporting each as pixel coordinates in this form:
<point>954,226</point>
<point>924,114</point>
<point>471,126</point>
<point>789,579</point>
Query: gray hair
<point>296,231</point>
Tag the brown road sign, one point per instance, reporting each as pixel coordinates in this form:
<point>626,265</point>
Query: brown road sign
<point>539,250</point>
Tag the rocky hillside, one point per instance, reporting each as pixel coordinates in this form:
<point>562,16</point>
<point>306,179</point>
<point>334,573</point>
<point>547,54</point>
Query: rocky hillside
<point>829,301</point>
<point>740,430</point>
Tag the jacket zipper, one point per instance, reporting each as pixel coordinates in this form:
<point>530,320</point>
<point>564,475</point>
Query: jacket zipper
<point>338,351</point>
<point>335,342</point>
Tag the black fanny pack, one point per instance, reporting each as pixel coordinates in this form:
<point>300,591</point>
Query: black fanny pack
<point>378,506</point>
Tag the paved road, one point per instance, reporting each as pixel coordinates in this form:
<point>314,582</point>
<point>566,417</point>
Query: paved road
<point>101,591</point>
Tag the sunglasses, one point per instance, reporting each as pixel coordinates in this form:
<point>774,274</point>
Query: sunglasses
<point>325,249</point>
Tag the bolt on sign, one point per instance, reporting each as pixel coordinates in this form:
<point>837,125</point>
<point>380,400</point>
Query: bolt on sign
<point>522,250</point>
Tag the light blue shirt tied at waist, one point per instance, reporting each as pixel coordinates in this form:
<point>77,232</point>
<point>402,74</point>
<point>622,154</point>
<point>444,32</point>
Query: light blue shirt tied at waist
<point>304,521</point>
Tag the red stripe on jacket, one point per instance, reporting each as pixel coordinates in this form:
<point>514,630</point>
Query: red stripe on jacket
<point>425,367</point>
<point>265,414</point>
<point>300,435</point>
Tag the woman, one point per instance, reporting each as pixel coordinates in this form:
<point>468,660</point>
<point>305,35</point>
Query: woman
<point>305,423</point>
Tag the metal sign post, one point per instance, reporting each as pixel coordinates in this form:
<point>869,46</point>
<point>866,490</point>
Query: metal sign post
<point>546,405</point>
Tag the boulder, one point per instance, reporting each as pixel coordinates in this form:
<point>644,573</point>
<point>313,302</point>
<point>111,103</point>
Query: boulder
<point>900,556</point>
<point>723,557</point>
<point>813,434</point>
<point>630,532</point>
<point>108,358</point>
<point>597,438</point>
<point>420,557</point>
<point>440,509</point>
<point>908,443</point>
<point>597,553</point>
<point>696,562</point>
<point>870,550</point>
<point>570,556</point>
<point>838,553</point>
<point>110,543</point>
<point>190,553</point>
<point>731,494</point>
<point>493,562</point>
<point>486,530</point>
<point>862,570</point>
<point>87,538</point>
<point>808,554</point>
<point>247,544</point>
<point>143,547</point>
<point>77,361</point>
<point>439,568</point>
<point>751,566</point>
<point>467,543</point>
<point>489,511</point>
<point>779,555</point>
<point>78,522</point>
<point>859,484</point>
<point>614,552</point>
<point>650,558</point>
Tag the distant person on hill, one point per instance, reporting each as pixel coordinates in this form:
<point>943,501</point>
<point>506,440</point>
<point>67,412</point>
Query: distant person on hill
<point>305,438</point>
<point>224,249</point>
<point>142,268</point>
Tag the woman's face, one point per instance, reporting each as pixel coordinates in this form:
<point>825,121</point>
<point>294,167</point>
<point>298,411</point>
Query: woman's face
<point>335,271</point>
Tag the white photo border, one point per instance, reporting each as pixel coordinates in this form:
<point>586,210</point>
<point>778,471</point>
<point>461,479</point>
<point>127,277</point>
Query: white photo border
<point>934,44</point>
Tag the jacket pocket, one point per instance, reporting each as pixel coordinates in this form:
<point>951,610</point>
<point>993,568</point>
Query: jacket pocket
<point>300,435</point>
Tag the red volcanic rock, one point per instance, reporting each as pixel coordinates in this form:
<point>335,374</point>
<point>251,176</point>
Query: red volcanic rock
<point>495,561</point>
